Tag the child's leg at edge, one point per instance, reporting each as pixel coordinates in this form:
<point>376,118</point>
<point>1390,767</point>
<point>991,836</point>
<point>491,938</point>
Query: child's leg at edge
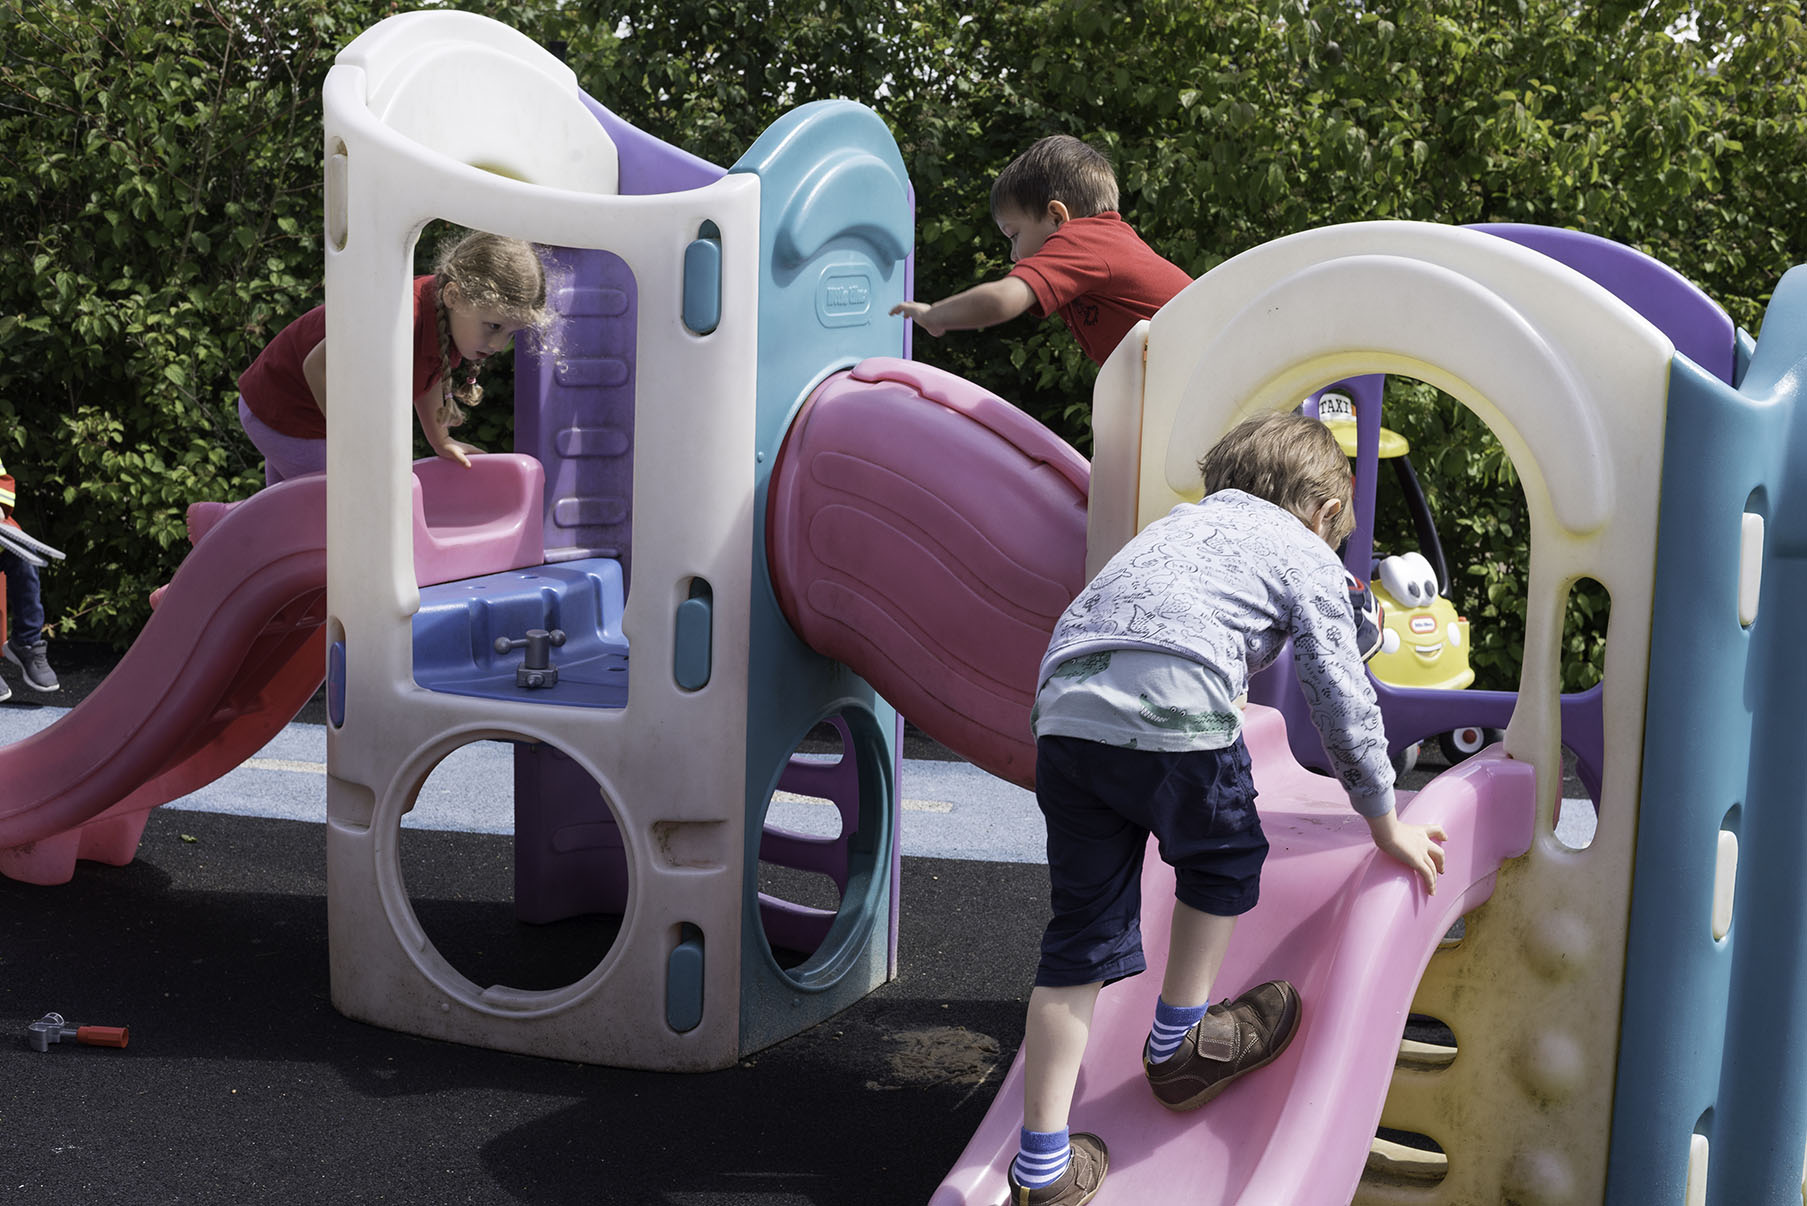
<point>1059,1023</point>
<point>284,456</point>
<point>1195,955</point>
<point>24,602</point>
<point>1197,946</point>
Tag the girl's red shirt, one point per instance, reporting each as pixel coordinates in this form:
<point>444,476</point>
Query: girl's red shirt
<point>275,390</point>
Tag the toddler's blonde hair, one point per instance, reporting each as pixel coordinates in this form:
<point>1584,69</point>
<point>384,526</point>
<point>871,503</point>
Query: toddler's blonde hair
<point>490,273</point>
<point>1291,460</point>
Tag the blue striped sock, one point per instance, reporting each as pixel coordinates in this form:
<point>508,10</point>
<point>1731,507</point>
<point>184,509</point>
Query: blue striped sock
<point>1041,1157</point>
<point>1170,1025</point>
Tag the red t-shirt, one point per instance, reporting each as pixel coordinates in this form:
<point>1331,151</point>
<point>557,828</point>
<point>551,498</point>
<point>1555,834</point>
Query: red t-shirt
<point>1101,278</point>
<point>275,390</point>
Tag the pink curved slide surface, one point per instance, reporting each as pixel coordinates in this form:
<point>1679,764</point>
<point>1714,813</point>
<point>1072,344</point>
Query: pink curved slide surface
<point>928,534</point>
<point>233,650</point>
<point>1352,931</point>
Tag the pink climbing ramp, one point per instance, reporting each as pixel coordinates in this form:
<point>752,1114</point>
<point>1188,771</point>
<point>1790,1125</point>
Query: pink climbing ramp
<point>1350,928</point>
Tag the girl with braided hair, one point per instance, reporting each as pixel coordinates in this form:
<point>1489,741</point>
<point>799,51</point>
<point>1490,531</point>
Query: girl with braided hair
<point>484,289</point>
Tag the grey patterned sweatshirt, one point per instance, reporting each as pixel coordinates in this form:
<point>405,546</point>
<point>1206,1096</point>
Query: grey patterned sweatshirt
<point>1225,582</point>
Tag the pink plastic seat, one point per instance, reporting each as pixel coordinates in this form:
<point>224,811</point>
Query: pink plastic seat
<point>481,520</point>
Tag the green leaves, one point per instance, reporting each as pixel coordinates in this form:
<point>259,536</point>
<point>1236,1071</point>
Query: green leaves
<point>160,194</point>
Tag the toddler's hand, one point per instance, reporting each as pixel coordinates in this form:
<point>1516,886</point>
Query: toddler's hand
<point>455,450</point>
<point>918,311</point>
<point>1417,846</point>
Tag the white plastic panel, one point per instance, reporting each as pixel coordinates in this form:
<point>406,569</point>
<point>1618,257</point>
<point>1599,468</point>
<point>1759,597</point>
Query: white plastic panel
<point>1725,883</point>
<point>533,169</point>
<point>1750,568</point>
<point>1696,1192</point>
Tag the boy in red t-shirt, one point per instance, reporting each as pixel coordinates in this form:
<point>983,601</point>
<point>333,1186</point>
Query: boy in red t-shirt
<point>1074,253</point>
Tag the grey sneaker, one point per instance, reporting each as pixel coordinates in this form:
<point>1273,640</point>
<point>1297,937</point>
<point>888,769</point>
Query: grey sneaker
<point>1075,1187</point>
<point>1247,1033</point>
<point>6,692</point>
<point>33,665</point>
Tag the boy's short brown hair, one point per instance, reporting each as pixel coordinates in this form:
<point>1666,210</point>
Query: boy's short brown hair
<point>1057,168</point>
<point>1291,460</point>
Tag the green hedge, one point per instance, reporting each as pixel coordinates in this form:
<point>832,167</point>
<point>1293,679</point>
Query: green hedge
<point>160,196</point>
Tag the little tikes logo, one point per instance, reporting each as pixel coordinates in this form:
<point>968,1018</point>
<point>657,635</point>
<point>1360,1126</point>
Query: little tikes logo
<point>844,296</point>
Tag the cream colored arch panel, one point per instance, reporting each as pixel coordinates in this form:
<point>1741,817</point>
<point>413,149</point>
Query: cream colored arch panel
<point>484,95</point>
<point>1574,384</point>
<point>1519,331</point>
<point>1419,311</point>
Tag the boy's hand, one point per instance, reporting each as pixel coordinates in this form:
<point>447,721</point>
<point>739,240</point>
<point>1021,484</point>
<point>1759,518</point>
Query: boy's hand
<point>919,311</point>
<point>1417,846</point>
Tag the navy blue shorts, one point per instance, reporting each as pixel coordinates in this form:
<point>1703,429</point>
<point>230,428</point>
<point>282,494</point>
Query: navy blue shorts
<point>1101,803</point>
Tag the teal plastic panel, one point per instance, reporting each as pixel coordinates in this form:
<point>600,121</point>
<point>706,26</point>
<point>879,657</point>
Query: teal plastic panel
<point>836,229</point>
<point>703,285</point>
<point>1714,1033</point>
<point>692,651</point>
<point>684,982</point>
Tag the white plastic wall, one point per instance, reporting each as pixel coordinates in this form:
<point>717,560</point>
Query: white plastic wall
<point>417,109</point>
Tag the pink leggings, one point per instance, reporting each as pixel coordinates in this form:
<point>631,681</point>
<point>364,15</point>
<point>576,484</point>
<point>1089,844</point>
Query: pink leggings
<point>285,456</point>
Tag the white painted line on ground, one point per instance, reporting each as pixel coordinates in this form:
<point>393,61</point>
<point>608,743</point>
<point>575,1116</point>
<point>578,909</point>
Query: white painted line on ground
<point>284,764</point>
<point>909,805</point>
<point>950,810</point>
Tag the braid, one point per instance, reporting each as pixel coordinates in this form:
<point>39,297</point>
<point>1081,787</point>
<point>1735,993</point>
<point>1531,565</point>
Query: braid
<point>454,398</point>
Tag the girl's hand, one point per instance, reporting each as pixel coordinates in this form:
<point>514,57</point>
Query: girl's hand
<point>1417,846</point>
<point>456,450</point>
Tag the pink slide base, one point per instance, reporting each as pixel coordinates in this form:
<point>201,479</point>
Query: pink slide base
<point>233,650</point>
<point>1350,928</point>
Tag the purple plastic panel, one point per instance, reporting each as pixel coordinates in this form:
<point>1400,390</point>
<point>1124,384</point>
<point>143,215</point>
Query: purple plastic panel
<point>1366,393</point>
<point>1696,324</point>
<point>574,407</point>
<point>794,926</point>
<point>574,412</point>
<point>569,857</point>
<point>1416,714</point>
<point>649,165</point>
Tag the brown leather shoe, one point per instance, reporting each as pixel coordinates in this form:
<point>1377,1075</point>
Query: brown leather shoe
<point>1230,1041</point>
<point>1075,1187</point>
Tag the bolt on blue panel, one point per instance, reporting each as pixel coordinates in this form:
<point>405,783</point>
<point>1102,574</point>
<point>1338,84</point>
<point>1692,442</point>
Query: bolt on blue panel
<point>459,624</point>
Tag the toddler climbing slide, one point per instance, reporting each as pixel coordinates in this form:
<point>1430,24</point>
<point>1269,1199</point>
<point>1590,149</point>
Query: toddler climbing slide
<point>928,534</point>
<point>1350,928</point>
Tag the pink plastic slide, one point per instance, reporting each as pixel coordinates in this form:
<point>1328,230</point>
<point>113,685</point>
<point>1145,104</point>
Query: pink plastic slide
<point>928,533</point>
<point>233,650</point>
<point>1350,928</point>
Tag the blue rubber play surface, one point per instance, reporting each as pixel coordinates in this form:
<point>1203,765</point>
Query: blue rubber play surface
<point>458,624</point>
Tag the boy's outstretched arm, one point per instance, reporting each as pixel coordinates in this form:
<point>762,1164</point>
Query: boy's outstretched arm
<point>981,306</point>
<point>1417,846</point>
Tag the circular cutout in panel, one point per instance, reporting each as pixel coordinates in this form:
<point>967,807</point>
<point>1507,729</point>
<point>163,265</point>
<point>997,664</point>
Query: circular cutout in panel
<point>825,850</point>
<point>514,865</point>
